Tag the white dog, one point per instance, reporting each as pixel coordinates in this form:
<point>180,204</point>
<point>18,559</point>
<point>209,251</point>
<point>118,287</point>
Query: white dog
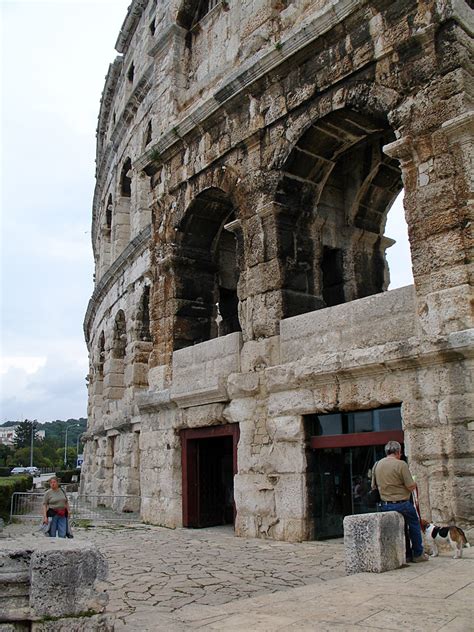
<point>453,535</point>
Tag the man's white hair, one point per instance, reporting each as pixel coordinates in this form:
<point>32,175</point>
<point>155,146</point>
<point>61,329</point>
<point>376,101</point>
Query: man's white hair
<point>393,447</point>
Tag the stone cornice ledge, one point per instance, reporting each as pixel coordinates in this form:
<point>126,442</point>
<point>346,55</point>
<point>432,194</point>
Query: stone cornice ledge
<point>134,248</point>
<point>212,391</point>
<point>253,70</point>
<point>134,13</point>
<point>152,401</point>
<point>376,360</point>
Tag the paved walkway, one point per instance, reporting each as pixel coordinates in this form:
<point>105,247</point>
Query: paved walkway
<point>177,580</point>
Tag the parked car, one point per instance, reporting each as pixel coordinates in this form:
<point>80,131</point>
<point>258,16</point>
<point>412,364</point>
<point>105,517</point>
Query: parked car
<point>19,470</point>
<point>34,471</point>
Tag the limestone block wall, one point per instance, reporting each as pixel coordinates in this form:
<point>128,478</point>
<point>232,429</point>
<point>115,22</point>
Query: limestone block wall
<point>365,323</point>
<point>283,130</point>
<point>201,371</point>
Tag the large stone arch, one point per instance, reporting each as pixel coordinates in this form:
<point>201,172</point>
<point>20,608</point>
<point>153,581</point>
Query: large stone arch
<point>335,189</point>
<point>206,270</point>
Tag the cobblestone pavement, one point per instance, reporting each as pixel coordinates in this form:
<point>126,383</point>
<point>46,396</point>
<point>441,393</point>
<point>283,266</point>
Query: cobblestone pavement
<point>180,580</point>
<point>168,570</point>
<point>164,570</point>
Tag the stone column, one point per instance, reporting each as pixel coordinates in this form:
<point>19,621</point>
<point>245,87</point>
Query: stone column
<point>437,211</point>
<point>121,225</point>
<point>141,207</point>
<point>435,153</point>
<point>260,308</point>
<point>136,370</point>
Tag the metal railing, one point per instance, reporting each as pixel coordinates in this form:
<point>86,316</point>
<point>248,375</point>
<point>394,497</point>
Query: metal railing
<point>87,510</point>
<point>105,508</point>
<point>26,505</point>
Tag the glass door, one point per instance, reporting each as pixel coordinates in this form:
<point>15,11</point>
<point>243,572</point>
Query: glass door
<point>342,482</point>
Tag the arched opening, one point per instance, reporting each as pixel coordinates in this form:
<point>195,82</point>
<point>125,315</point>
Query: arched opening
<point>398,255</point>
<point>192,11</point>
<point>336,189</point>
<point>120,336</point>
<point>148,134</point>
<point>96,400</point>
<point>126,179</point>
<point>207,271</point>
<point>108,213</point>
<point>143,316</point>
<point>101,357</point>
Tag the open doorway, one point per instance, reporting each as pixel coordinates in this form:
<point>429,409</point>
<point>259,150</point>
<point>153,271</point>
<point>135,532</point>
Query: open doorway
<point>209,464</point>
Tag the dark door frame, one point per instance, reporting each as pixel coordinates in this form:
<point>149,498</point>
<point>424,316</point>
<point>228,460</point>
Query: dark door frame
<point>189,473</point>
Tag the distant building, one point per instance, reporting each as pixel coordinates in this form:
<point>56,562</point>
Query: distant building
<point>8,434</point>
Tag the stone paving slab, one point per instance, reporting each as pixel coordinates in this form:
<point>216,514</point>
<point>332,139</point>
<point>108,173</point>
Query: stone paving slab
<point>208,579</point>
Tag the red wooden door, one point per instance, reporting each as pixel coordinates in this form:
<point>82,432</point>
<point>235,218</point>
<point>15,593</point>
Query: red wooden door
<point>206,480</point>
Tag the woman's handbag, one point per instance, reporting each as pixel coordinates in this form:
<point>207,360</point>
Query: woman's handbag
<point>44,527</point>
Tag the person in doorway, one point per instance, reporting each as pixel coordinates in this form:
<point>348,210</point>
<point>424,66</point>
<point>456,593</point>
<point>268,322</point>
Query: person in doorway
<point>395,484</point>
<point>56,507</point>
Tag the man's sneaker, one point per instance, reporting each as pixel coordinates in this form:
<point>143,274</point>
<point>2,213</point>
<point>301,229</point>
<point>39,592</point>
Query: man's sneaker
<point>420,558</point>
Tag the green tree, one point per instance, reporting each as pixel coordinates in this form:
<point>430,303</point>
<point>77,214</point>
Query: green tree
<point>23,433</point>
<point>21,457</point>
<point>5,452</point>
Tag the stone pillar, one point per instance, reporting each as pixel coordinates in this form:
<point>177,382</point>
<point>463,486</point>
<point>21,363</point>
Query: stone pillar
<point>141,207</point>
<point>374,542</point>
<point>260,283</point>
<point>114,384</point>
<point>136,370</point>
<point>437,174</point>
<point>435,153</point>
<point>126,477</point>
<point>121,226</point>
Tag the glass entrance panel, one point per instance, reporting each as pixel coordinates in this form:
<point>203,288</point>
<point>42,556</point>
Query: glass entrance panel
<point>342,482</point>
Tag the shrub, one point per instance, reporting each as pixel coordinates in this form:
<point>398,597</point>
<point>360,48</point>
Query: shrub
<point>16,483</point>
<point>4,471</point>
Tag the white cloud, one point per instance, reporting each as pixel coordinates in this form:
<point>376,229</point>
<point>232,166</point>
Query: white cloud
<point>56,390</point>
<point>28,364</point>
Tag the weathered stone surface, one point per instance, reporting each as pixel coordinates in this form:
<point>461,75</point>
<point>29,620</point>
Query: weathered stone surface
<point>345,326</point>
<point>200,372</point>
<point>247,159</point>
<point>374,542</point>
<point>54,579</point>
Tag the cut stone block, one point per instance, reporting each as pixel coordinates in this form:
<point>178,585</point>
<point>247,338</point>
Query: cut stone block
<point>66,581</point>
<point>374,542</point>
<point>53,580</point>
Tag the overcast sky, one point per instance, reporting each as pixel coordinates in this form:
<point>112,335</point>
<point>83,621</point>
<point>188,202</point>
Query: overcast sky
<point>55,56</point>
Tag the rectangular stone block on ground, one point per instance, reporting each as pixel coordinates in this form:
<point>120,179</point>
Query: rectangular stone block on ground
<point>374,542</point>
